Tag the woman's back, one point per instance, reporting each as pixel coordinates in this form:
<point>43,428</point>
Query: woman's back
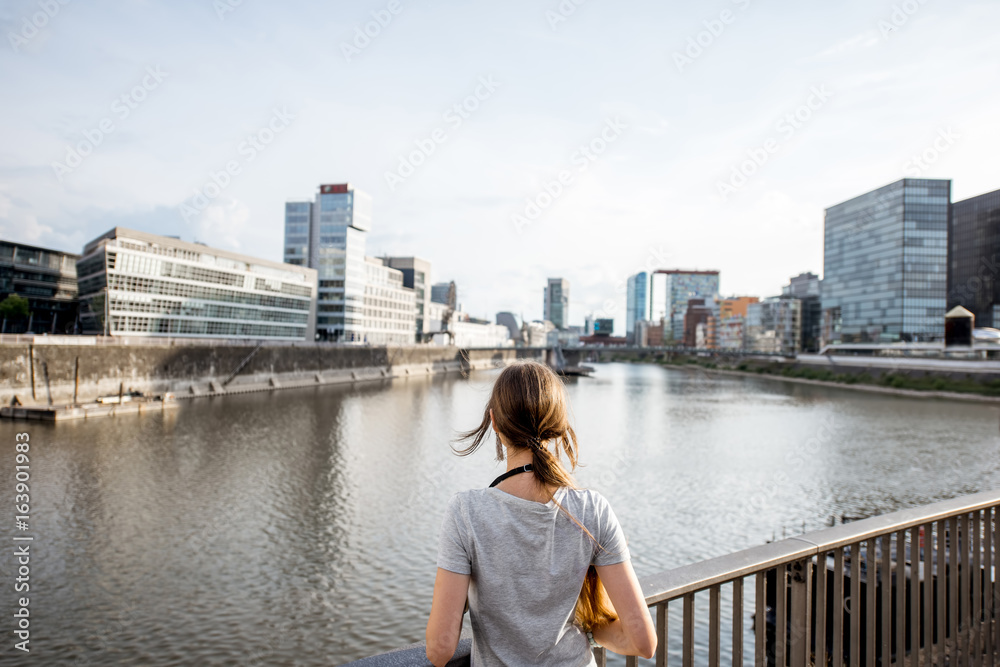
<point>528,561</point>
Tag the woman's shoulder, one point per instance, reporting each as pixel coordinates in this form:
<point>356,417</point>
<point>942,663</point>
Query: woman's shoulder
<point>585,498</point>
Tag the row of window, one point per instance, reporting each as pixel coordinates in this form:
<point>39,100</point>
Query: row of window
<point>153,286</point>
<point>125,324</point>
<point>205,310</point>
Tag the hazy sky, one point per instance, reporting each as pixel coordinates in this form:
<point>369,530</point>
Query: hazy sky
<point>643,109</point>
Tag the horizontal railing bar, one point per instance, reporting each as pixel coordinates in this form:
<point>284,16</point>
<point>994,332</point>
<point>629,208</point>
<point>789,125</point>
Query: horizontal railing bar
<point>680,581</point>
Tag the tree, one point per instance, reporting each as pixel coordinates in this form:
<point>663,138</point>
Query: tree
<point>14,307</point>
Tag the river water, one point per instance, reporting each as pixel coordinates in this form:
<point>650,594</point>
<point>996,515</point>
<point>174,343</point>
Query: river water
<point>299,527</point>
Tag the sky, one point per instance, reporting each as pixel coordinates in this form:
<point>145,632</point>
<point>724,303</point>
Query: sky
<point>504,142</point>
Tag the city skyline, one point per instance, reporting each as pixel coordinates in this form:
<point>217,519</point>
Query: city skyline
<point>645,137</point>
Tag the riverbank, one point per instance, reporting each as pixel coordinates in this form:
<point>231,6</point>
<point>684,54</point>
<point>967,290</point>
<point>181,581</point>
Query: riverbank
<point>894,381</point>
<point>72,372</point>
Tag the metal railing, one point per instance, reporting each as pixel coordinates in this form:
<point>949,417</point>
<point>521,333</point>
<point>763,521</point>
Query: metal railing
<point>915,587</point>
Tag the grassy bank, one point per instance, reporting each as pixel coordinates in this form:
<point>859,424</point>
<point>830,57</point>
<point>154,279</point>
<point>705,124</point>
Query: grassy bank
<point>891,379</point>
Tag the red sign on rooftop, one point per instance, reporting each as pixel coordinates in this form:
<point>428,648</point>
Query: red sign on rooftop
<point>333,189</point>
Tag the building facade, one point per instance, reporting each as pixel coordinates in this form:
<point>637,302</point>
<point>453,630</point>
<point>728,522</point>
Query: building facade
<point>329,235</point>
<point>47,279</point>
<point>637,301</point>
<point>806,288</point>
<point>446,293</point>
<point>416,276</point>
<point>885,264</point>
<point>774,325</point>
<point>679,287</point>
<point>139,284</point>
<point>389,313</point>
<point>974,258</point>
<point>510,320</point>
<point>556,304</point>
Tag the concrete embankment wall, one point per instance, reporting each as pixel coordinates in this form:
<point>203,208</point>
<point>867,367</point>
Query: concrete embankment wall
<point>40,373</point>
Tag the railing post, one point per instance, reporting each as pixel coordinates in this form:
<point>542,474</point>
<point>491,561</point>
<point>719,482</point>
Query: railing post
<point>801,576</point>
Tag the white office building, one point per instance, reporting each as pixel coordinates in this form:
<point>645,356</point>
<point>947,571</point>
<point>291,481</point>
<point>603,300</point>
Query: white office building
<point>389,313</point>
<point>140,284</point>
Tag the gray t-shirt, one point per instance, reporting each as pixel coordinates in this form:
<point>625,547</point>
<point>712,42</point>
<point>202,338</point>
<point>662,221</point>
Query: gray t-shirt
<point>527,562</point>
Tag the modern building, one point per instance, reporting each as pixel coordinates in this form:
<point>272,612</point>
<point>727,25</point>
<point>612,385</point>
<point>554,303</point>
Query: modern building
<point>389,314</point>
<point>465,332</point>
<point>774,325</point>
<point>536,333</point>
<point>445,293</point>
<point>47,279</point>
<point>637,301</point>
<point>670,295</point>
<point>698,315</point>
<point>416,276</point>
<point>510,320</point>
<point>604,326</point>
<point>885,264</point>
<point>328,235</point>
<point>588,324</point>
<point>140,284</point>
<point>556,306</point>
<point>731,322</point>
<point>974,258</point>
<point>806,288</point>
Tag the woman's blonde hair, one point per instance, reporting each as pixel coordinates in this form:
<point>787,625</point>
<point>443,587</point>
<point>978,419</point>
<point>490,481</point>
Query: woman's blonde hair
<point>530,409</point>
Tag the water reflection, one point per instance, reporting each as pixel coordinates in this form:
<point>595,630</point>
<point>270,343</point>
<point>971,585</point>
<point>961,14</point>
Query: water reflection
<point>301,525</point>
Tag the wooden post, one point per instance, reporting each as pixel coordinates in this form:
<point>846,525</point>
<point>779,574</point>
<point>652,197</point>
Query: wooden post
<point>31,354</point>
<point>76,379</point>
<point>121,390</point>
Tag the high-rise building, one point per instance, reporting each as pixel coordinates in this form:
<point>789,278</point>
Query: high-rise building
<point>974,258</point>
<point>637,302</point>
<point>556,307</point>
<point>328,235</point>
<point>806,288</point>
<point>47,279</point>
<point>671,294</point>
<point>140,284</point>
<point>416,276</point>
<point>885,264</point>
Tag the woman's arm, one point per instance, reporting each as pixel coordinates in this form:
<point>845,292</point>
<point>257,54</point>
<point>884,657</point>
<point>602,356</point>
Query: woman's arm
<point>445,623</point>
<point>633,632</point>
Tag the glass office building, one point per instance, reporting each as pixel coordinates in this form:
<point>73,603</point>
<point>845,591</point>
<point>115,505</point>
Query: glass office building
<point>139,284</point>
<point>679,287</point>
<point>974,258</point>
<point>328,235</point>
<point>885,264</point>
<point>556,303</point>
<point>637,302</point>
<point>47,279</point>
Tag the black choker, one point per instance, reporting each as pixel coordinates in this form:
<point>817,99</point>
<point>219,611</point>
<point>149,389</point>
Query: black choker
<point>510,473</point>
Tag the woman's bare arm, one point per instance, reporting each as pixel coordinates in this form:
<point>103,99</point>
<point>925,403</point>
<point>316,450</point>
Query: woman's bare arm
<point>633,632</point>
<point>445,623</point>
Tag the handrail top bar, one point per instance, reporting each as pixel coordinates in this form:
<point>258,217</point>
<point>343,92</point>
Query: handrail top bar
<point>674,583</point>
